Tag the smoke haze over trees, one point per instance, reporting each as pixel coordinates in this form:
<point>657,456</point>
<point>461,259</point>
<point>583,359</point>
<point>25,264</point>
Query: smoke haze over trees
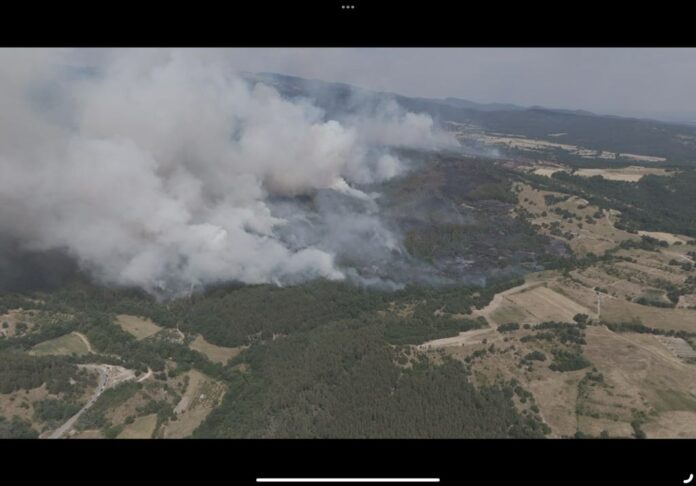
<point>166,170</point>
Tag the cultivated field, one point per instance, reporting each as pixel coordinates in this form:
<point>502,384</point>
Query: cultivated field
<point>626,174</point>
<point>544,304</point>
<point>535,145</point>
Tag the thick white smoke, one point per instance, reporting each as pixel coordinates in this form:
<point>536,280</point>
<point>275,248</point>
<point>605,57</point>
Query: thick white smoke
<point>155,168</point>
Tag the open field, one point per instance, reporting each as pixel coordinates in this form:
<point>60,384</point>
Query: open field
<point>642,373</point>
<point>137,326</point>
<point>64,345</point>
<point>640,377</point>
<point>508,311</point>
<point>217,354</point>
<point>618,310</point>
<point>626,174</point>
<point>539,299</point>
<point>544,304</point>
<point>202,395</point>
<point>687,302</point>
<point>670,425</point>
<point>475,336</point>
<point>87,434</point>
<point>548,171</point>
<point>668,237</point>
<point>141,428</point>
<point>535,145</point>
<point>678,346</point>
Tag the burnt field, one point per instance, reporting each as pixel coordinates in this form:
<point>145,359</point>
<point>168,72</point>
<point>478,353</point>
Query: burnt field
<point>456,217</point>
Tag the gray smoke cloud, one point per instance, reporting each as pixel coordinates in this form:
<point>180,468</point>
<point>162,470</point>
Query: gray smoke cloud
<point>165,170</point>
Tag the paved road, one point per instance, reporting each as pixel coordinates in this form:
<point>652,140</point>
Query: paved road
<point>109,377</point>
<point>101,386</point>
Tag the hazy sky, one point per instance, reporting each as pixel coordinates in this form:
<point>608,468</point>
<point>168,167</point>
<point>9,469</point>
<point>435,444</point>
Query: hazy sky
<point>636,82</point>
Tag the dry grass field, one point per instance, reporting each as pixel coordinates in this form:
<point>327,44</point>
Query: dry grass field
<point>20,402</point>
<point>626,174</point>
<point>536,146</point>
<point>595,237</point>
<point>137,326</point>
<point>641,379</point>
<point>62,346</point>
<point>201,396</point>
<point>141,428</point>
<point>668,237</point>
<point>544,304</point>
<point>217,354</point>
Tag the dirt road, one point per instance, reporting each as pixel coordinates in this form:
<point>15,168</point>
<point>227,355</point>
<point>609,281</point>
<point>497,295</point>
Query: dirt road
<point>84,340</point>
<point>499,298</point>
<point>477,335</point>
<point>468,337</point>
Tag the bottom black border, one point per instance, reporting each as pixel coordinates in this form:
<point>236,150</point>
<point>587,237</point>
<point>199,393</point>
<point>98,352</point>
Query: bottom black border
<point>660,462</point>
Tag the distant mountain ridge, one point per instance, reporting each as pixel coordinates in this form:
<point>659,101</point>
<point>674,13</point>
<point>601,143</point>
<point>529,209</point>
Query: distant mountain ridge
<point>672,141</point>
<point>296,81</point>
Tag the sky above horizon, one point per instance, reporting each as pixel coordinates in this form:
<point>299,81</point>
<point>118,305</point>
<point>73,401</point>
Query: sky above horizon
<point>640,82</point>
<point>655,82</point>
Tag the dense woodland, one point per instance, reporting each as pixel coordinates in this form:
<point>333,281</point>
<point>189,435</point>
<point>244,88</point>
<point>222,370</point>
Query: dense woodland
<point>20,371</point>
<point>331,371</point>
<point>340,380</point>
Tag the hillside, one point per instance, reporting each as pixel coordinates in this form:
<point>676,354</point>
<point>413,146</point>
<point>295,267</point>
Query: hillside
<point>541,282</point>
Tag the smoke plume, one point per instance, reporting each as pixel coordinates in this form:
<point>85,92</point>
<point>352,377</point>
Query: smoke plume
<point>166,170</point>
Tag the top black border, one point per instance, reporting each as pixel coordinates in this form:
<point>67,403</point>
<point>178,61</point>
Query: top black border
<point>329,23</point>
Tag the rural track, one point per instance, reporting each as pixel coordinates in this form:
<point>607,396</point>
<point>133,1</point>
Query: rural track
<point>85,340</point>
<point>466,336</point>
<point>499,298</point>
<point>145,376</point>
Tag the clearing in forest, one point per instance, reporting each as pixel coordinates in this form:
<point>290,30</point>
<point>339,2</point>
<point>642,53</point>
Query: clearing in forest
<point>137,326</point>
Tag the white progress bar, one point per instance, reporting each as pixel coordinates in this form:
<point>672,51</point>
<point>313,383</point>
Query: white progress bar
<point>347,480</point>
